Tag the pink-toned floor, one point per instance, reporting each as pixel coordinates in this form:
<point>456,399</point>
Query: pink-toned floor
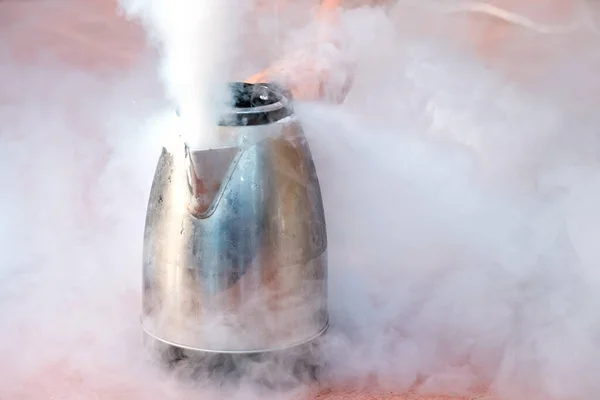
<point>88,34</point>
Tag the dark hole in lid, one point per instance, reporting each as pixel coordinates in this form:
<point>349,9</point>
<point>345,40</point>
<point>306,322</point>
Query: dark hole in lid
<point>246,95</point>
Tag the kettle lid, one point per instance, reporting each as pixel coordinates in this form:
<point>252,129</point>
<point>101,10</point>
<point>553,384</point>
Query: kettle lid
<point>255,104</point>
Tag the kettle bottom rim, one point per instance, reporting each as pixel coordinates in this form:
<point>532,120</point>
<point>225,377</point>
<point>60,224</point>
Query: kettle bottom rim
<point>320,333</point>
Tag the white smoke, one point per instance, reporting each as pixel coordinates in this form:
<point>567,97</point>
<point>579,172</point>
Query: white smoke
<point>461,209</point>
<point>461,257</point>
<point>197,41</point>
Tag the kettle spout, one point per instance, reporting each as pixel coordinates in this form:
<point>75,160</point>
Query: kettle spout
<point>207,172</point>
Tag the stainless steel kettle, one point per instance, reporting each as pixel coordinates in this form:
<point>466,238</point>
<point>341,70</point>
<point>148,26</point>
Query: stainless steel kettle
<point>235,243</point>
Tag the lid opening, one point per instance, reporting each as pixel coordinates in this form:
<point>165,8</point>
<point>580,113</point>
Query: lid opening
<point>246,95</point>
<point>255,104</point>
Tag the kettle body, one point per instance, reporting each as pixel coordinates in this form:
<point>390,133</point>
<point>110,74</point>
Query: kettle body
<point>235,242</point>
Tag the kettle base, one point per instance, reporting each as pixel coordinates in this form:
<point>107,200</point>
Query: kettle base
<point>194,350</point>
<point>278,369</point>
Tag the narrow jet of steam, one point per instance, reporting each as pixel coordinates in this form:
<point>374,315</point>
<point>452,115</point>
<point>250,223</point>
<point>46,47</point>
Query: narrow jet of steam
<point>196,41</point>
